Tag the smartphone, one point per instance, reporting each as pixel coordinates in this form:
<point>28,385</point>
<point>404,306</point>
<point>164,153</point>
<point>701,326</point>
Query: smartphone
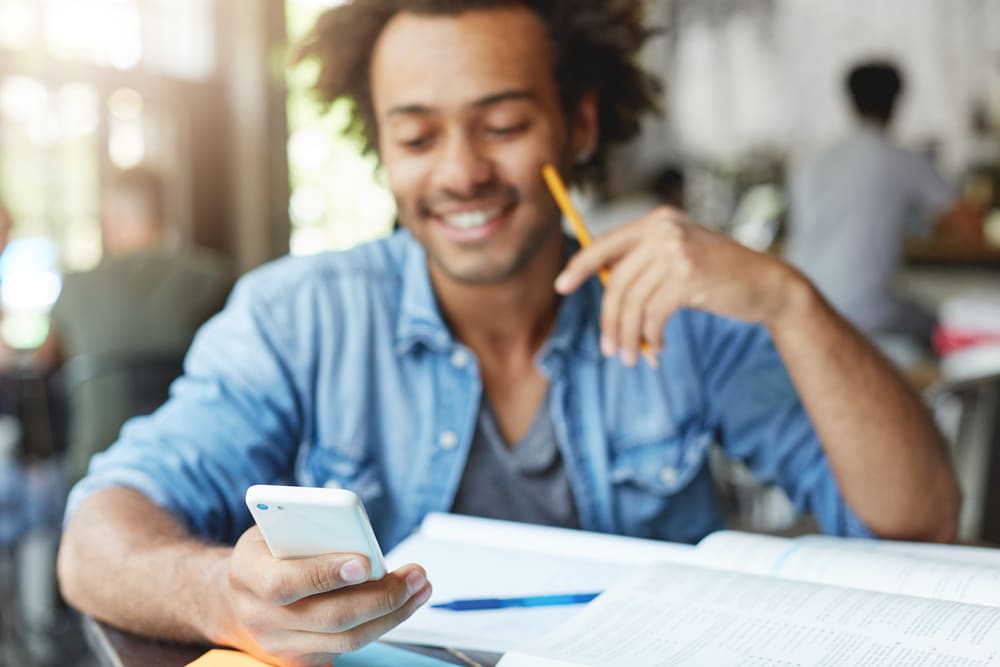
<point>299,522</point>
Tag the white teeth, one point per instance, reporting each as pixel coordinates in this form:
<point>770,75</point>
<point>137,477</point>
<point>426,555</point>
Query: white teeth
<point>470,219</point>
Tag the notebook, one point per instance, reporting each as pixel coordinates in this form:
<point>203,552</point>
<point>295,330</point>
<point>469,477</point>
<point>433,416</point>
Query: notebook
<point>469,557</point>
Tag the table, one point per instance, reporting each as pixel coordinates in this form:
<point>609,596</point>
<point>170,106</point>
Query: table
<point>117,648</point>
<point>952,253</point>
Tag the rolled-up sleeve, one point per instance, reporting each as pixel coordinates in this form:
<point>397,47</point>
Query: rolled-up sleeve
<point>233,419</point>
<point>760,420</point>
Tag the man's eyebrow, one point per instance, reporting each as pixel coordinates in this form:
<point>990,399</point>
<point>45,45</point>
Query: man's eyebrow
<point>506,96</point>
<point>409,110</point>
<point>489,100</point>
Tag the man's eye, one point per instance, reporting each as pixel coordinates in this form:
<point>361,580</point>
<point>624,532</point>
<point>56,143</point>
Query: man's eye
<point>416,143</point>
<point>507,130</point>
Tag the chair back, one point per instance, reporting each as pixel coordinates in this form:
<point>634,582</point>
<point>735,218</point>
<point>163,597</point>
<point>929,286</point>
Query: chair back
<point>103,392</point>
<point>968,412</point>
<point>147,377</point>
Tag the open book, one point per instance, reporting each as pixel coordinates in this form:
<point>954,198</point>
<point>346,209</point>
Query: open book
<point>735,599</point>
<point>467,557</point>
<point>757,600</point>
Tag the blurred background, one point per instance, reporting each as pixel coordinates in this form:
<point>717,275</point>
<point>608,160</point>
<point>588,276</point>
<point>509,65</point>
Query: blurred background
<point>200,93</point>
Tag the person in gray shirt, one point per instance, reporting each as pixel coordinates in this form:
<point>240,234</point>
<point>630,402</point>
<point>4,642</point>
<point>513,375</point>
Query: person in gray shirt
<point>852,207</point>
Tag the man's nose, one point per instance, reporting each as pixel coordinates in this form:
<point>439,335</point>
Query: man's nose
<point>463,167</point>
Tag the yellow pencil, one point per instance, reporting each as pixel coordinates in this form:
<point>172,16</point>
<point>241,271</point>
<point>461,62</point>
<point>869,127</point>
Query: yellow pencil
<point>561,195</point>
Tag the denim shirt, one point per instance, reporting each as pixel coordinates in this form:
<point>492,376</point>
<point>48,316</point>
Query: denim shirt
<point>338,370</point>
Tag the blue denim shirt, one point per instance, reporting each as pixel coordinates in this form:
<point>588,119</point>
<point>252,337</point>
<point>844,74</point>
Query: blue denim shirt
<point>338,370</point>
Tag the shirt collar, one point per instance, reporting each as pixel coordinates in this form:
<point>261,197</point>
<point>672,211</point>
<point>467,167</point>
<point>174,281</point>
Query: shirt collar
<point>420,323</point>
<point>576,329</point>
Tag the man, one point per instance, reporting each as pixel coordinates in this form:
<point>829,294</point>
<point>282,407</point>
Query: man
<point>396,368</point>
<point>123,327</point>
<point>853,206</point>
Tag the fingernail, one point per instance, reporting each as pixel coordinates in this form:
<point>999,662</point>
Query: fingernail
<point>353,571</point>
<point>562,282</point>
<point>628,357</point>
<point>423,596</point>
<point>415,581</point>
<point>607,346</point>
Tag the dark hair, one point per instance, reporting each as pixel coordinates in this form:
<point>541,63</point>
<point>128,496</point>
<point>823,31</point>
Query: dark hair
<point>595,42</point>
<point>668,178</point>
<point>145,186</point>
<point>874,88</point>
<point>668,185</point>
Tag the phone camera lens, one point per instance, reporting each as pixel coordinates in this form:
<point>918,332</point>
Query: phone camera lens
<point>261,506</point>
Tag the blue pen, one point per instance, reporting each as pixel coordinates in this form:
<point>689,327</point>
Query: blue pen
<point>504,603</point>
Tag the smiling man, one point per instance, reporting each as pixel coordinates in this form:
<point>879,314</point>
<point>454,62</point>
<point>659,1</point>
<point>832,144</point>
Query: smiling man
<point>472,362</point>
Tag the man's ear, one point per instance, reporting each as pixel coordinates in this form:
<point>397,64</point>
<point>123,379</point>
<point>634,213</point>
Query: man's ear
<point>585,127</point>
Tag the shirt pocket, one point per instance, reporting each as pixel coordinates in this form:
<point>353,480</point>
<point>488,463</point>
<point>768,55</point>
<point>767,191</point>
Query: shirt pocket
<point>333,470</point>
<point>648,475</point>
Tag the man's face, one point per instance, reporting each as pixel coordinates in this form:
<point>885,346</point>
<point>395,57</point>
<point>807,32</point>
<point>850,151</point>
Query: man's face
<point>468,112</point>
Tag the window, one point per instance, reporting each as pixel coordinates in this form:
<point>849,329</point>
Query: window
<point>86,85</point>
<point>338,197</point>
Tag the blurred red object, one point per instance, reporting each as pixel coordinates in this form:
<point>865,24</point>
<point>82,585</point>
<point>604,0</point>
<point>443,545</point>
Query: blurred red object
<point>948,340</point>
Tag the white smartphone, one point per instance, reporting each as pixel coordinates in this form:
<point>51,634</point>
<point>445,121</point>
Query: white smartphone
<point>299,522</point>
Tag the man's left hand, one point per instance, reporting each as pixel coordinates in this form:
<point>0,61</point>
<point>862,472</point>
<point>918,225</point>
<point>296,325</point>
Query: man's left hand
<point>665,261</point>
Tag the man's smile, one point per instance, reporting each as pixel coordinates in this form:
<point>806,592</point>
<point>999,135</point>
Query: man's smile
<point>472,224</point>
<point>471,218</point>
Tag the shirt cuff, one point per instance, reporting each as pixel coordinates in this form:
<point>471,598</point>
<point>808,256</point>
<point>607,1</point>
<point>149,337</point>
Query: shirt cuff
<point>120,478</point>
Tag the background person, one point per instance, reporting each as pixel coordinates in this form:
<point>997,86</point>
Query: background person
<point>139,308</point>
<point>853,207</point>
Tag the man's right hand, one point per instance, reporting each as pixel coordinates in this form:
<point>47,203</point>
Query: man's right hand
<point>304,612</point>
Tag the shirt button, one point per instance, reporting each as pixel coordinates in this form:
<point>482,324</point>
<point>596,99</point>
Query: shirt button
<point>332,484</point>
<point>668,475</point>
<point>448,440</point>
<point>459,358</point>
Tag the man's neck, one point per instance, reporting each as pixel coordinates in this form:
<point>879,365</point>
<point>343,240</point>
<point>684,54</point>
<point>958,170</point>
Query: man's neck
<point>131,241</point>
<point>874,124</point>
<point>513,317</point>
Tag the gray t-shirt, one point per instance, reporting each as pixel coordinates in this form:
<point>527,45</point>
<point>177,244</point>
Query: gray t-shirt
<point>526,482</point>
<point>851,210</point>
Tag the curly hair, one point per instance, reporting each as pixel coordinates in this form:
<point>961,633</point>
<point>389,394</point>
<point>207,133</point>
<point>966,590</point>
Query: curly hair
<point>595,41</point>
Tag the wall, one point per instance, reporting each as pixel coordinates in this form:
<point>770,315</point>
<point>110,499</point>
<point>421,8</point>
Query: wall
<point>745,75</point>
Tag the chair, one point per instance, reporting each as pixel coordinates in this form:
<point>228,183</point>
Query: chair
<point>968,412</point>
<point>103,392</point>
<point>33,623</point>
<point>146,376</point>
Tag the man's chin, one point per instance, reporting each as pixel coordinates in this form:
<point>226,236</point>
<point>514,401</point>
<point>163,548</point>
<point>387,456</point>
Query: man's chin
<point>479,274</point>
<point>489,263</point>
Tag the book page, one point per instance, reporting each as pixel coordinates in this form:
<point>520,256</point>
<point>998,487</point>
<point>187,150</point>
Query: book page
<point>954,553</point>
<point>842,563</point>
<point>560,542</point>
<point>468,557</point>
<point>676,615</point>
<point>767,547</point>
